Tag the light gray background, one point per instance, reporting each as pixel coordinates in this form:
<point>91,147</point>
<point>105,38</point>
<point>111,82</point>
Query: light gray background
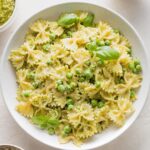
<point>137,137</point>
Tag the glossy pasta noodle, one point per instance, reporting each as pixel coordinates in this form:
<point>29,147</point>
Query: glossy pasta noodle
<point>75,77</point>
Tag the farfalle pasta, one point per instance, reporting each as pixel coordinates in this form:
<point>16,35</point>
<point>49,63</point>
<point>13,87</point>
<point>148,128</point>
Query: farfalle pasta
<point>75,77</point>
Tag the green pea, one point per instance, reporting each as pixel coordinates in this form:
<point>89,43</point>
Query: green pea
<point>98,84</point>
<point>61,88</point>
<point>94,103</point>
<point>64,36</point>
<point>136,62</point>
<point>132,93</point>
<point>81,79</point>
<point>68,20</point>
<point>138,68</point>
<point>73,85</point>
<point>107,42</point>
<point>88,20</point>
<point>69,75</point>
<point>69,33</point>
<point>78,71</point>
<point>100,42</point>
<point>92,46</point>
<point>68,88</point>
<point>134,71</point>
<point>59,82</point>
<point>88,74</point>
<point>70,107</point>
<point>49,62</point>
<point>101,104</point>
<point>35,85</point>
<point>135,66</point>
<point>52,36</point>
<point>26,93</point>
<point>70,101</point>
<point>67,129</point>
<point>31,76</point>
<point>132,66</point>
<point>46,47</point>
<point>129,51</point>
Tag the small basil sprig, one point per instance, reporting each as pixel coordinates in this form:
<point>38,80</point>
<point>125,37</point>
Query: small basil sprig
<point>45,122</point>
<point>107,53</point>
<point>68,20</point>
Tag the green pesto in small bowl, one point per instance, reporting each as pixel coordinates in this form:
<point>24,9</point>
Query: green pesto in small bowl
<point>6,10</point>
<point>10,147</point>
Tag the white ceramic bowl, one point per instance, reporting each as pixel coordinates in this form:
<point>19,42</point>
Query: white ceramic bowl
<point>9,22</point>
<point>8,79</point>
<point>4,146</point>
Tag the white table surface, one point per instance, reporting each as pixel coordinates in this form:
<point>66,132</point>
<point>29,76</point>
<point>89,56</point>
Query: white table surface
<point>137,137</point>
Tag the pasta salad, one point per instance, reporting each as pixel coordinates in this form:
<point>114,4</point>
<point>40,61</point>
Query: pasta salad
<point>75,77</point>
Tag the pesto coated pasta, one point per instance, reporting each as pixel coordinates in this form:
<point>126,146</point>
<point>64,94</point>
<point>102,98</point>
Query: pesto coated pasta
<point>75,77</point>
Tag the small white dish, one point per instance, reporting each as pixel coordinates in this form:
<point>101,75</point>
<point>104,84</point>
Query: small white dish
<point>8,78</point>
<point>9,147</point>
<point>9,22</point>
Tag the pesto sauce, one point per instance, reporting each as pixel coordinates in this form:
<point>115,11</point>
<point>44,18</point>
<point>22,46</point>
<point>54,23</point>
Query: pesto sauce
<point>6,10</point>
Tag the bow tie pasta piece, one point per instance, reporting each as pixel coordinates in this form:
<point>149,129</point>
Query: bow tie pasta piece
<point>39,26</point>
<point>26,109</point>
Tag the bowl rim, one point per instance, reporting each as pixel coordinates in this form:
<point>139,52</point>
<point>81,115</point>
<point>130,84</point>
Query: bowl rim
<point>4,26</point>
<point>107,9</point>
<point>11,145</point>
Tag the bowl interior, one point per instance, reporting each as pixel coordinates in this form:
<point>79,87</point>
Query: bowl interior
<point>8,79</point>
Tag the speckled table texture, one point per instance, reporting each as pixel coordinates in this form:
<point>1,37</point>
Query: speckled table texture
<point>137,137</point>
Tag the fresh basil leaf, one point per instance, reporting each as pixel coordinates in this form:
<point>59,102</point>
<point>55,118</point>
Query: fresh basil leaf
<point>107,53</point>
<point>39,120</point>
<point>68,20</point>
<point>103,48</point>
<point>88,21</point>
<point>53,122</point>
<point>45,121</point>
